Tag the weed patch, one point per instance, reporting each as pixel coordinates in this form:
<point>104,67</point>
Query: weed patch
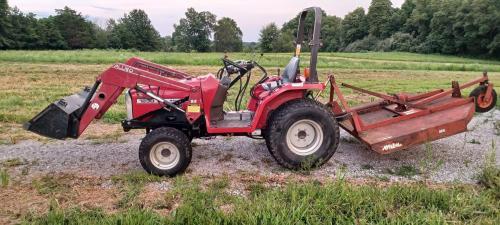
<point>14,162</point>
<point>474,141</point>
<point>367,167</point>
<point>132,185</point>
<point>4,178</point>
<point>490,175</point>
<point>48,185</point>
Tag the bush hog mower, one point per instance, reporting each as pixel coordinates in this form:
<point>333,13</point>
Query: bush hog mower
<point>174,107</point>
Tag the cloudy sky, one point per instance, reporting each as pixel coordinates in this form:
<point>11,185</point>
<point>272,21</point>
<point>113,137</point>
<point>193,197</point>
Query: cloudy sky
<point>250,15</point>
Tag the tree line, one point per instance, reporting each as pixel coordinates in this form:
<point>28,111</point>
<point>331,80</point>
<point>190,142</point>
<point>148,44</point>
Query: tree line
<point>459,27</point>
<point>69,29</point>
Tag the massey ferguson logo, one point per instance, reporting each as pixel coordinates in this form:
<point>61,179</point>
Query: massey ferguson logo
<point>391,146</point>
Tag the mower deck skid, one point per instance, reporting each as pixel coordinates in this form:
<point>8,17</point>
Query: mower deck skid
<point>404,133</point>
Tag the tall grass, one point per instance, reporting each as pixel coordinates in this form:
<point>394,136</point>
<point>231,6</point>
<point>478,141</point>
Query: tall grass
<point>371,60</point>
<point>4,178</point>
<point>336,202</point>
<point>490,176</point>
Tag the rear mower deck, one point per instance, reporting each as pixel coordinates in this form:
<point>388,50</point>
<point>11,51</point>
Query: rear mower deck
<point>412,131</point>
<point>402,121</point>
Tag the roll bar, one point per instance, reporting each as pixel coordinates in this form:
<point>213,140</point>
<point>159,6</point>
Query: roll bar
<point>315,42</point>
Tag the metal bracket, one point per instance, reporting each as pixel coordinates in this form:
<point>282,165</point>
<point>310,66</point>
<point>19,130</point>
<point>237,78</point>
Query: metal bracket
<point>456,89</point>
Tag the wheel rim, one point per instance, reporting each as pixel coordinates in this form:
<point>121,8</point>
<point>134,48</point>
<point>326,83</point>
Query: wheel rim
<point>304,137</point>
<point>164,155</point>
<point>482,103</point>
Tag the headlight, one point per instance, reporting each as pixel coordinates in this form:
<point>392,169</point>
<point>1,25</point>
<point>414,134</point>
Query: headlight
<point>128,104</point>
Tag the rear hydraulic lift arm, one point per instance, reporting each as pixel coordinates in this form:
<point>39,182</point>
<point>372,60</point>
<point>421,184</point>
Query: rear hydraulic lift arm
<point>111,83</point>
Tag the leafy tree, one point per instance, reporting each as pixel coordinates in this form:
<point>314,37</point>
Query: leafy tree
<point>292,25</point>
<point>368,43</point>
<point>168,44</point>
<point>101,37</point>
<point>441,38</point>
<point>49,35</point>
<point>420,19</point>
<point>23,31</point>
<point>227,36</point>
<point>133,31</point>
<point>141,33</point>
<point>268,35</point>
<point>4,24</point>
<point>194,31</point>
<point>76,30</point>
<point>354,26</point>
<point>116,34</point>
<point>402,42</point>
<point>180,37</point>
<point>406,10</point>
<point>494,46</point>
<point>283,43</point>
<point>379,15</point>
<point>477,25</point>
<point>250,46</point>
<point>331,33</point>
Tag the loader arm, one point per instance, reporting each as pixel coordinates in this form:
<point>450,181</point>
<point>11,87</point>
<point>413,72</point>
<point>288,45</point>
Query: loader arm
<point>156,68</point>
<point>70,116</point>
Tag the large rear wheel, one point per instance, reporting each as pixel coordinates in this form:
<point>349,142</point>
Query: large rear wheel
<point>302,134</point>
<point>165,151</point>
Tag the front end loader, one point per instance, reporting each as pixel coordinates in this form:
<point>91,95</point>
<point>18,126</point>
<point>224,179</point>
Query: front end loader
<point>174,107</point>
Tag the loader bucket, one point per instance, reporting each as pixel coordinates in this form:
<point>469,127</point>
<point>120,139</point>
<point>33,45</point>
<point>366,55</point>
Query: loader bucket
<point>61,119</point>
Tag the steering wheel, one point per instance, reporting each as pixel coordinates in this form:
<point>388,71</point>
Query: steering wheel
<point>228,62</point>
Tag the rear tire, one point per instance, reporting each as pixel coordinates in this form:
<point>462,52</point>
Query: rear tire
<point>481,105</point>
<point>165,151</point>
<point>302,134</point>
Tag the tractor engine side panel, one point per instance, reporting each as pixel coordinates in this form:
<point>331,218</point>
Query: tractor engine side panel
<point>143,104</point>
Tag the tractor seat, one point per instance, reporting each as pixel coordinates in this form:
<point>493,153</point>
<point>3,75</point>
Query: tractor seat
<point>216,110</point>
<point>290,72</point>
<point>288,76</point>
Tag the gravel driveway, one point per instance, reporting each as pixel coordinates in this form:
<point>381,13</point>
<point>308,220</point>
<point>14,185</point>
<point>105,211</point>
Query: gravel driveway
<point>455,159</point>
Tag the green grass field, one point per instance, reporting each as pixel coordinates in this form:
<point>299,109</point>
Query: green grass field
<point>334,202</point>
<point>33,79</point>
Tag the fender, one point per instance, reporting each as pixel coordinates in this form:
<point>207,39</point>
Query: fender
<point>287,92</point>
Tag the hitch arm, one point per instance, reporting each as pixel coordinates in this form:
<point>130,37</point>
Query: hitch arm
<point>382,96</point>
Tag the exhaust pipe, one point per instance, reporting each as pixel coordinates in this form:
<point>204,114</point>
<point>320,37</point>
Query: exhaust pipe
<point>61,119</point>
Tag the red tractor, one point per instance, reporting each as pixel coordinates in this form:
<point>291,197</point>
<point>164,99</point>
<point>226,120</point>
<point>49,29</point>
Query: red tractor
<point>174,107</point>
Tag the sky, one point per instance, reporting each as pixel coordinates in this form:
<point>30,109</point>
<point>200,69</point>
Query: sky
<point>250,16</point>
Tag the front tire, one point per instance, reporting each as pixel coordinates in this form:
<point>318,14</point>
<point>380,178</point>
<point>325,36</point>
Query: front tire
<point>165,151</point>
<point>302,134</point>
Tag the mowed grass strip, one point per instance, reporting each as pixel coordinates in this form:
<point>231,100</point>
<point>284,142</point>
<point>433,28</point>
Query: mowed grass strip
<point>336,202</point>
<point>370,60</point>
